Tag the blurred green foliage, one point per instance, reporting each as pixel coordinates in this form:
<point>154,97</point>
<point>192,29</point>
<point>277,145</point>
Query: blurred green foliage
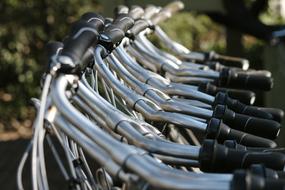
<point>25,28</point>
<point>195,31</point>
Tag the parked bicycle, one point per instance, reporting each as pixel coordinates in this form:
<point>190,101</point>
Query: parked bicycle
<point>148,118</point>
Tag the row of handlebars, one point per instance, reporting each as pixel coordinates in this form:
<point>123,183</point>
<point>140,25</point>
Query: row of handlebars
<point>151,118</point>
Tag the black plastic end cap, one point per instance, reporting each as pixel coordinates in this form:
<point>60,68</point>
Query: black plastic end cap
<point>95,19</point>
<point>221,98</point>
<point>213,128</point>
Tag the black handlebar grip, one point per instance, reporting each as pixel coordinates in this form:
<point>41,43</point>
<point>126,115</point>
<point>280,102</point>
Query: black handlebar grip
<point>139,26</point>
<point>216,129</point>
<point>250,140</point>
<point>229,78</point>
<point>112,34</point>
<point>274,184</point>
<point>214,157</point>
<point>273,160</point>
<point>97,20</point>
<point>234,145</point>
<point>136,12</point>
<point>53,48</point>
<point>123,22</point>
<point>83,35</point>
<point>261,170</point>
<point>281,174</point>
<point>258,82</point>
<point>246,180</point>
<point>229,61</point>
<point>277,114</point>
<point>237,106</point>
<point>256,72</point>
<point>244,96</point>
<point>257,126</point>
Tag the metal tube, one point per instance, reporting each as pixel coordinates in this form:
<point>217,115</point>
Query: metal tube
<point>100,155</point>
<point>117,150</point>
<point>172,45</point>
<point>128,128</point>
<point>159,82</point>
<point>164,101</point>
<point>144,106</point>
<point>169,66</point>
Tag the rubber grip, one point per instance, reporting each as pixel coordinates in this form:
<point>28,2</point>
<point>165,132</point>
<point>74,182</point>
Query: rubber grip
<point>111,36</point>
<point>257,82</point>
<point>275,184</point>
<point>281,174</point>
<point>139,26</point>
<point>229,61</point>
<point>216,129</point>
<point>246,180</point>
<point>237,106</point>
<point>53,48</point>
<point>97,20</point>
<point>123,22</point>
<point>136,12</point>
<point>250,110</point>
<point>244,96</point>
<point>214,157</point>
<point>250,140</point>
<point>257,126</point>
<point>229,78</point>
<point>234,145</point>
<point>230,64</point>
<point>256,72</point>
<point>83,35</point>
<point>277,114</point>
<point>260,127</point>
<point>261,170</point>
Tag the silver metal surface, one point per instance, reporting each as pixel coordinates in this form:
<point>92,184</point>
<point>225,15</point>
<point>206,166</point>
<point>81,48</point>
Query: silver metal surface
<point>164,101</point>
<point>159,82</point>
<point>146,107</point>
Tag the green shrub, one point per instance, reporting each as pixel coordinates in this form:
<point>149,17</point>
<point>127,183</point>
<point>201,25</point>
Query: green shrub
<point>26,26</point>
